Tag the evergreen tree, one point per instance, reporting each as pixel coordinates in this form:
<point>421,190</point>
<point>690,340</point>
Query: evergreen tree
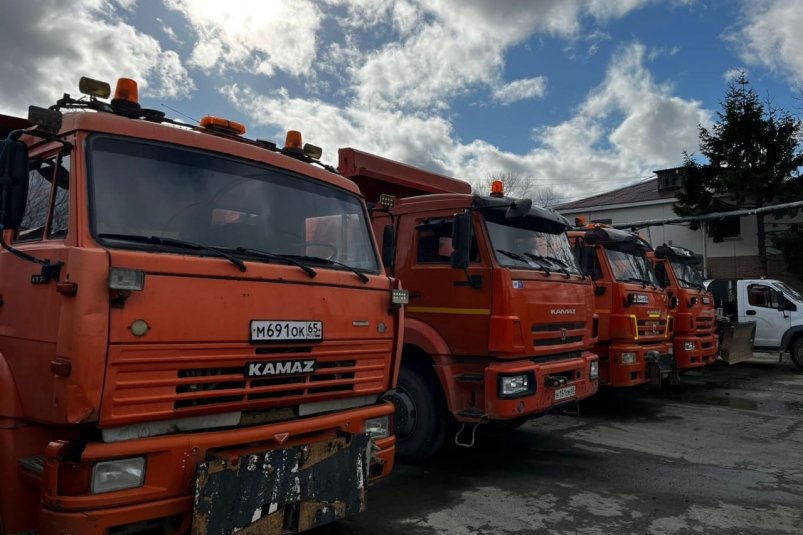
<point>754,156</point>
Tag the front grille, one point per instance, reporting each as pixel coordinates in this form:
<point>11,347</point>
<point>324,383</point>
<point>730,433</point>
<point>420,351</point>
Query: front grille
<point>144,383</point>
<point>704,324</point>
<point>651,328</point>
<point>557,334</point>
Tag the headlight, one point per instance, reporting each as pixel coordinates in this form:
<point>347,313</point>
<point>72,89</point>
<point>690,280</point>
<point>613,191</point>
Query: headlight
<point>593,371</point>
<point>378,427</point>
<point>690,346</point>
<point>119,474</point>
<point>516,385</point>
<point>628,357</point>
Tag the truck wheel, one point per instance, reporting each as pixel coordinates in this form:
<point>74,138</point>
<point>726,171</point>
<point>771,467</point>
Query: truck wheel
<point>419,422</point>
<point>796,352</point>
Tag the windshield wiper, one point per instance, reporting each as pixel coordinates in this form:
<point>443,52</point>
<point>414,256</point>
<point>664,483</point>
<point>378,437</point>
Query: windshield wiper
<point>521,258</point>
<point>561,265</point>
<point>329,262</point>
<point>692,284</point>
<point>644,282</point>
<point>172,242</point>
<point>274,256</point>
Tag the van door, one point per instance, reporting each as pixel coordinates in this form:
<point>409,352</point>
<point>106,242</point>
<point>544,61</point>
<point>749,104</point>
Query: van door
<point>761,306</point>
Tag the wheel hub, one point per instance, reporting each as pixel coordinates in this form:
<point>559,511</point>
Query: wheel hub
<point>404,417</point>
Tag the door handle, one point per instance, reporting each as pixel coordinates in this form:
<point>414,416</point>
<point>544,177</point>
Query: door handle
<point>751,312</point>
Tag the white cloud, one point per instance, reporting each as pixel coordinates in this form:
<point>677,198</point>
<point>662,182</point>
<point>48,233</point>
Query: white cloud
<point>256,36</point>
<point>732,74</point>
<point>591,152</point>
<point>771,36</point>
<point>50,44</point>
<point>520,90</point>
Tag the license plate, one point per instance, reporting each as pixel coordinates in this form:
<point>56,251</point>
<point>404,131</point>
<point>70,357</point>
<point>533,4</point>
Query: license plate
<point>565,392</point>
<point>279,330</point>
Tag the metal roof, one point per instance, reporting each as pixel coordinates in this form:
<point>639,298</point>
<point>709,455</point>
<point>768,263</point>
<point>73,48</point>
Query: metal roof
<point>633,194</point>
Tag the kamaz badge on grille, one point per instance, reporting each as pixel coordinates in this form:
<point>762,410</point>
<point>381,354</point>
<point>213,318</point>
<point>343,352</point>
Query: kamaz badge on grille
<point>279,367</point>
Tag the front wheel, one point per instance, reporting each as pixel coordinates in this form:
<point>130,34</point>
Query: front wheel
<point>796,352</point>
<point>419,422</point>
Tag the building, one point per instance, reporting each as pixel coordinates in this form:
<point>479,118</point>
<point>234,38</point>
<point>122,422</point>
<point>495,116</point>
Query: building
<point>736,256</point>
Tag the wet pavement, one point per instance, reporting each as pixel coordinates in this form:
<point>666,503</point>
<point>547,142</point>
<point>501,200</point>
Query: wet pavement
<point>721,453</point>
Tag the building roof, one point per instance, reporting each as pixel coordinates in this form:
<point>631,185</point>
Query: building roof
<point>633,194</point>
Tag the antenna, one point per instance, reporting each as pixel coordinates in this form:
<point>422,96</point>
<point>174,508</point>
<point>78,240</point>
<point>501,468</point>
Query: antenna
<point>181,113</point>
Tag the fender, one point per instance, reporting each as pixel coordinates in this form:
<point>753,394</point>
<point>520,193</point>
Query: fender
<point>10,404</point>
<point>789,335</point>
<point>423,336</point>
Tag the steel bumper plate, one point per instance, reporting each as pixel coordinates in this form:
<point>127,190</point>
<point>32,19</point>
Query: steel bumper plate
<point>280,491</point>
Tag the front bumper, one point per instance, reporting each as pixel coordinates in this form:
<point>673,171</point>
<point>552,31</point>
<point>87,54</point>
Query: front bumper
<point>556,383</point>
<point>705,352</point>
<point>168,495</point>
<point>613,372</point>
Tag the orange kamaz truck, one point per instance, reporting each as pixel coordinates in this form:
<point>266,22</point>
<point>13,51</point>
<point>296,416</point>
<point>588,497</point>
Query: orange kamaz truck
<point>635,332</point>
<point>695,340</point>
<point>181,347</point>
<point>500,323</point>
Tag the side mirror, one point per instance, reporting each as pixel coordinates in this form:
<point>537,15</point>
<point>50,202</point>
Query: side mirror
<point>461,241</point>
<point>388,247</point>
<point>519,209</point>
<point>13,182</point>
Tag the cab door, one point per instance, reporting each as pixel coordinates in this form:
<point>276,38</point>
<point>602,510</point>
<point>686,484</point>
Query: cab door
<point>762,306</point>
<point>454,304</point>
<point>30,305</point>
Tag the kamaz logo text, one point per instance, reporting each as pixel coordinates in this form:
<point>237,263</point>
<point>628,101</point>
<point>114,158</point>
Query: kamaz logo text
<point>281,367</point>
<point>562,311</point>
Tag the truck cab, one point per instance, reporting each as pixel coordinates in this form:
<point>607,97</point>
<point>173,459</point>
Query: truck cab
<point>774,306</point>
<point>635,332</point>
<point>174,322</point>
<point>500,323</point>
<point>695,340</point>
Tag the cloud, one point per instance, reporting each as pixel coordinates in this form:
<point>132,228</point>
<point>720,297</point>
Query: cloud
<point>49,45</point>
<point>255,36</point>
<point>771,36</point>
<point>625,128</point>
<point>520,90</point>
<point>732,74</point>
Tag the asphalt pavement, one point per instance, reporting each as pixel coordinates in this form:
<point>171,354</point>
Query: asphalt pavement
<point>721,453</point>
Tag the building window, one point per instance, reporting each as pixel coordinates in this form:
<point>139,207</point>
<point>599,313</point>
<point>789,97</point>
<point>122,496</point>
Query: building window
<point>727,227</point>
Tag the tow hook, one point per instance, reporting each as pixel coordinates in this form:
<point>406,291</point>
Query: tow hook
<point>555,380</point>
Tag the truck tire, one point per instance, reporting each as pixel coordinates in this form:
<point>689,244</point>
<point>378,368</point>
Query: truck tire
<point>420,422</point>
<point>796,352</point>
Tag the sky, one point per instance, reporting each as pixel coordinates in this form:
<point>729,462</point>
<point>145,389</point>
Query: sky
<point>575,97</point>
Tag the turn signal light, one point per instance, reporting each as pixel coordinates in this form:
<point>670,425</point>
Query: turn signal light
<point>497,189</point>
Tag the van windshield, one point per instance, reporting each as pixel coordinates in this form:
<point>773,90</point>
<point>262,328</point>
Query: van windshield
<point>789,291</point>
<point>148,189</point>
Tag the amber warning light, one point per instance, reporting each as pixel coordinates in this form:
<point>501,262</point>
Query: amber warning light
<point>126,98</point>
<point>224,126</point>
<point>497,189</point>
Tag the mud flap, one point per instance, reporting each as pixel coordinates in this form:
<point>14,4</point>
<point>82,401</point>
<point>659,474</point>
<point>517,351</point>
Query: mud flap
<point>282,491</point>
<point>737,342</point>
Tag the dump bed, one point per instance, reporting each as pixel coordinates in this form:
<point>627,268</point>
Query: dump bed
<point>375,175</point>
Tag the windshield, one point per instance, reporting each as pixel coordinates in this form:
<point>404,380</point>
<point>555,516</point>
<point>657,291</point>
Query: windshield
<point>687,276</point>
<point>794,294</point>
<point>524,248</point>
<point>148,189</point>
<point>631,266</point>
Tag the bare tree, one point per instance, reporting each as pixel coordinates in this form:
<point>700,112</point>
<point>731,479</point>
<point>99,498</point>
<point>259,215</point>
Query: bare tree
<point>518,186</point>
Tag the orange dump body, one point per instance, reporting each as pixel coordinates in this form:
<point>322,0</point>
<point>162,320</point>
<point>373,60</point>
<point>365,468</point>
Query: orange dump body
<point>695,339</point>
<point>215,359</point>
<point>491,321</point>
<point>635,327</point>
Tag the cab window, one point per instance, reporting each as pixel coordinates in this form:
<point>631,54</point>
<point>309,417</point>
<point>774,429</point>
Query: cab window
<point>60,217</point>
<point>40,176</point>
<point>435,243</point>
<point>762,296</point>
